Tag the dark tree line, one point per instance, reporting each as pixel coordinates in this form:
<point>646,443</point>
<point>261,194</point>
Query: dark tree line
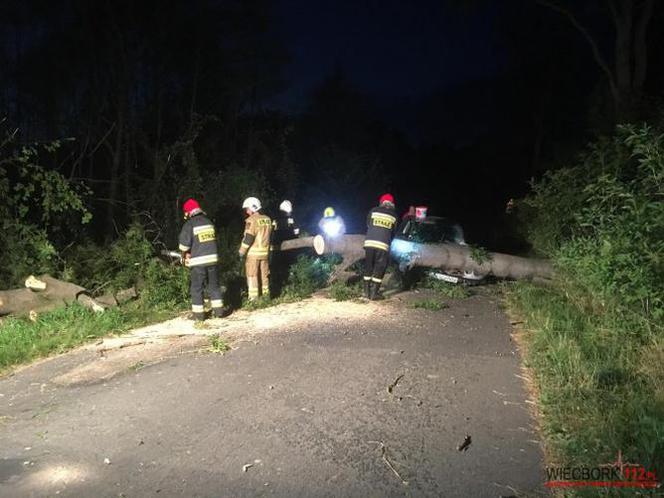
<point>162,100</point>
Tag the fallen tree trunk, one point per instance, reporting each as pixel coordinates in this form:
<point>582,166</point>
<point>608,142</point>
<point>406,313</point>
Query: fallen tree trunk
<point>301,243</point>
<point>445,256</point>
<point>459,257</point>
<point>56,293</point>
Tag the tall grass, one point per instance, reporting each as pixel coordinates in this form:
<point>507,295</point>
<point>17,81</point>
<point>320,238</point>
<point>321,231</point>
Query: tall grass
<point>600,378</point>
<point>129,261</point>
<point>22,340</point>
<point>596,338</point>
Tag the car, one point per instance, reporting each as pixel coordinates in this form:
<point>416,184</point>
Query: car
<point>429,230</point>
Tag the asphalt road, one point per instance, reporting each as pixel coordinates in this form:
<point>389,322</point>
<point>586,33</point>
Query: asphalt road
<point>337,406</point>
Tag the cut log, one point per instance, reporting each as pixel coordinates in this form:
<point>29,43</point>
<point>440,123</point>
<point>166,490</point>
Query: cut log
<point>33,283</point>
<point>120,297</point>
<point>56,293</point>
<point>445,256</point>
<point>301,243</point>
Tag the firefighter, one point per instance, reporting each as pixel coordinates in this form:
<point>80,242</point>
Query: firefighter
<point>256,247</point>
<point>331,225</point>
<point>284,226</point>
<point>381,225</point>
<point>198,243</point>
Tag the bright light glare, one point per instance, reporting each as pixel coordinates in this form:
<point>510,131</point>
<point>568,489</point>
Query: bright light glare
<point>331,227</point>
<point>402,247</point>
<point>58,475</point>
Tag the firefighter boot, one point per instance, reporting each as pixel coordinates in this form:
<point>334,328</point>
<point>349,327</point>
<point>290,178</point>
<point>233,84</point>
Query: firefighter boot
<point>375,294</point>
<point>222,312</point>
<point>367,289</point>
<point>199,317</point>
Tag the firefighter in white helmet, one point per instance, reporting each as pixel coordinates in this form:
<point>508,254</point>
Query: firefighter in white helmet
<point>283,225</point>
<point>256,247</point>
<point>284,228</point>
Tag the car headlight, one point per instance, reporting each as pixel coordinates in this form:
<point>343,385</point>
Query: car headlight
<point>402,248</point>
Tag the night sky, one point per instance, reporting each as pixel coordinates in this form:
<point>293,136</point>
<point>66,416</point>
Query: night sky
<point>398,53</point>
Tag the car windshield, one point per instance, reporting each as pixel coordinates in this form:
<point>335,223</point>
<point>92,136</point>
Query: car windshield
<point>431,230</point>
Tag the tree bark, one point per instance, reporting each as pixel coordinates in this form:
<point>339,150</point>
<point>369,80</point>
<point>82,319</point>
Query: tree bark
<point>56,294</point>
<point>641,48</point>
<point>622,17</point>
<point>301,243</point>
<point>445,256</point>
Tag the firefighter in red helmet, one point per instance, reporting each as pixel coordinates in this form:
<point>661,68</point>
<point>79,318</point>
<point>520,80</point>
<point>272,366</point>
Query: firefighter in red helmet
<point>381,225</point>
<point>198,243</point>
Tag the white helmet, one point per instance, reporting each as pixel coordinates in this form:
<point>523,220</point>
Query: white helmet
<point>251,203</point>
<point>286,207</point>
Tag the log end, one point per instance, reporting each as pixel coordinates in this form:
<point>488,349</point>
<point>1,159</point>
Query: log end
<point>319,245</point>
<point>33,283</point>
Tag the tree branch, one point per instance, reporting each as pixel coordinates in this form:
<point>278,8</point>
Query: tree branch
<point>641,47</point>
<point>591,41</point>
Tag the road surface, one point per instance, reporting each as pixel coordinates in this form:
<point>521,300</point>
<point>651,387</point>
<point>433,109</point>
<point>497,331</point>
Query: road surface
<point>317,398</point>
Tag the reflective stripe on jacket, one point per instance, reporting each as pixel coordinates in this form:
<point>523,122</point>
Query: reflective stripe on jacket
<point>381,225</point>
<point>198,237</point>
<point>256,240</point>
<point>284,228</point>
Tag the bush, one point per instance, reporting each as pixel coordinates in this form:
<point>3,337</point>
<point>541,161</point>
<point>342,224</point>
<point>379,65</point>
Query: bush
<point>602,221</point>
<point>305,276</point>
<point>39,213</point>
<point>596,338</point>
<point>130,261</point>
<point>308,275</point>
<point>452,291</point>
<point>341,291</point>
<point>165,286</point>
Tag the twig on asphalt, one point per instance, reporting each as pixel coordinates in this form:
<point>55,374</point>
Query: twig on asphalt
<point>391,387</point>
<point>383,452</point>
<point>466,443</point>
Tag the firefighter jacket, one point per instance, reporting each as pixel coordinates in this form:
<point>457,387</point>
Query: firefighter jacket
<point>381,225</point>
<point>198,237</point>
<point>256,241</point>
<point>284,228</point>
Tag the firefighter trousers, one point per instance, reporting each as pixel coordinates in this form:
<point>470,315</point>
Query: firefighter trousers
<point>375,264</point>
<point>258,277</point>
<point>200,276</point>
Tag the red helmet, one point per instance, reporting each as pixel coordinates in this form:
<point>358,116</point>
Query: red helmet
<point>189,205</point>
<point>386,198</point>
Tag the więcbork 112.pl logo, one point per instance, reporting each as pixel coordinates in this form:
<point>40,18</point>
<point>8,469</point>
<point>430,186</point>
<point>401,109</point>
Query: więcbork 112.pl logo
<point>618,474</point>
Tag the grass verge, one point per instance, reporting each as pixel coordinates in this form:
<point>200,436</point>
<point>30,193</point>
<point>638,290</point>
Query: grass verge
<point>22,340</point>
<point>600,379</point>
